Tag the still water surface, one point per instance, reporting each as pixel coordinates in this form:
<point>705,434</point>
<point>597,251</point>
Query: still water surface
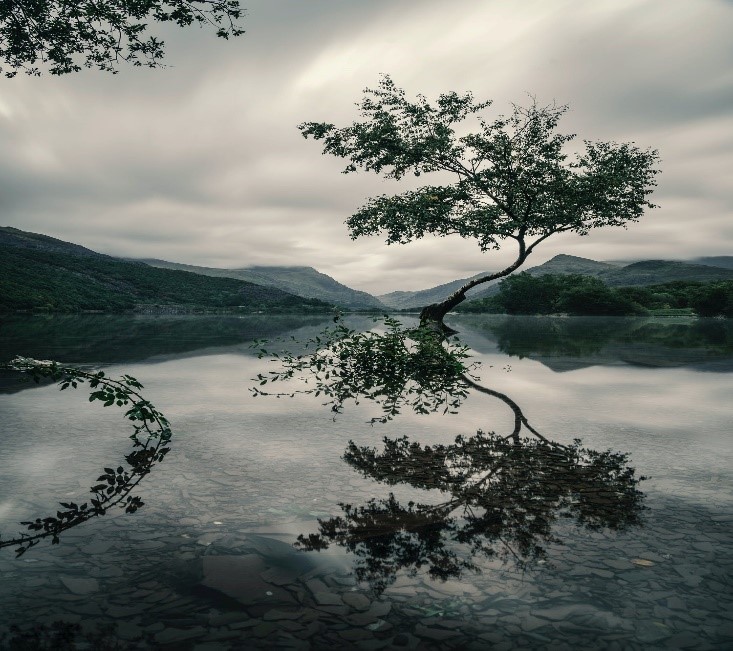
<point>209,561</point>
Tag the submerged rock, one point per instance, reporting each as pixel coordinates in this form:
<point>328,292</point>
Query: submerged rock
<point>238,577</point>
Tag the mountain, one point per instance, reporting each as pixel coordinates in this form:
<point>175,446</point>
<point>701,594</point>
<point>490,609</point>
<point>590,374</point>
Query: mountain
<point>301,281</point>
<point>646,272</point>
<point>560,264</point>
<point>572,264</point>
<point>404,300</point>
<point>40,272</point>
<point>725,261</point>
<point>15,238</point>
<point>654,272</point>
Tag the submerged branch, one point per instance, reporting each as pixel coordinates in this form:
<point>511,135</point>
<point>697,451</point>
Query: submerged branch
<point>150,439</point>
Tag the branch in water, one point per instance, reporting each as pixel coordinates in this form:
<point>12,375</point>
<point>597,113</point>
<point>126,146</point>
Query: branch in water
<point>150,440</point>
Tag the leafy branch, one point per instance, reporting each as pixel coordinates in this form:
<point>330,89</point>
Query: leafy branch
<point>150,441</point>
<point>65,36</point>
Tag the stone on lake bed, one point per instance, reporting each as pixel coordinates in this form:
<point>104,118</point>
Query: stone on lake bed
<point>279,575</point>
<point>377,610</point>
<point>617,563</point>
<point>80,585</point>
<point>116,610</point>
<point>356,634</point>
<point>97,547</point>
<point>174,635</point>
<point>583,615</point>
<point>437,634</point>
<point>224,619</point>
<point>316,585</point>
<point>356,600</point>
<point>239,577</point>
<point>379,625</point>
<point>642,562</point>
<point>327,599</point>
<point>380,608</point>
<point>128,631</point>
<point>276,615</point>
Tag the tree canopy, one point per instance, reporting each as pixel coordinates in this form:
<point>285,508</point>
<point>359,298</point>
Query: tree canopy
<point>64,36</point>
<point>513,178</point>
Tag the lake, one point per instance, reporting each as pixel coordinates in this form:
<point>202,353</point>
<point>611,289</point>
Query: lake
<point>209,562</point>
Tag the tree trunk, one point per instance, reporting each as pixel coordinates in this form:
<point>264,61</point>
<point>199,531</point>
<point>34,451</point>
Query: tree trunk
<point>432,315</point>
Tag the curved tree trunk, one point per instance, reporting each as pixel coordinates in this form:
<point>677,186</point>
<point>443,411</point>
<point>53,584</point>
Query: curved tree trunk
<point>433,315</point>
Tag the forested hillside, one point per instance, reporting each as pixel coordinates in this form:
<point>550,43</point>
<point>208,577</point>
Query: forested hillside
<point>41,274</point>
<point>644,273</point>
<point>580,295</point>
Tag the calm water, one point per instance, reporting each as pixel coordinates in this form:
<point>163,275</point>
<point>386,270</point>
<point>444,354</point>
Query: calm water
<point>209,562</point>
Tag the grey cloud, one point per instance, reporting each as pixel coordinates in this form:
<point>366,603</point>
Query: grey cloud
<point>202,162</point>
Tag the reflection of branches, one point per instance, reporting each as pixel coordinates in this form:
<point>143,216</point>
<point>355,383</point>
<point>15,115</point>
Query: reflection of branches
<point>502,494</point>
<point>401,367</point>
<point>519,418</point>
<point>502,499</point>
<point>387,536</point>
<point>150,439</point>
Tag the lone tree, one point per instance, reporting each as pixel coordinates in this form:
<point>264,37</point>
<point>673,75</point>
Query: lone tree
<point>513,177</point>
<point>65,35</point>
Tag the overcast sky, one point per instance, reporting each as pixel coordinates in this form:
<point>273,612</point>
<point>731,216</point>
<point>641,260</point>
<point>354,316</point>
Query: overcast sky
<point>201,162</point>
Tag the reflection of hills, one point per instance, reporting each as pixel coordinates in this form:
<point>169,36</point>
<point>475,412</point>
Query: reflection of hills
<point>643,354</point>
<point>564,344</point>
<point>113,339</point>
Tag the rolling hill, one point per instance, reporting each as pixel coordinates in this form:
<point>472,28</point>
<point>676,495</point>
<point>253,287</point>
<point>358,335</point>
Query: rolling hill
<point>417,299</point>
<point>301,281</point>
<point>725,261</point>
<point>653,272</point>
<point>42,273</point>
<point>646,272</point>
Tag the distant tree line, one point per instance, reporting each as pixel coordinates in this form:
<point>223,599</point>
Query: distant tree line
<point>580,295</point>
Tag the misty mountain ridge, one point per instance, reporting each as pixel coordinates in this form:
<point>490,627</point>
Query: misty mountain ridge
<point>645,272</point>
<point>725,261</point>
<point>299,280</point>
<point>422,297</point>
<point>309,283</point>
<point>560,264</point>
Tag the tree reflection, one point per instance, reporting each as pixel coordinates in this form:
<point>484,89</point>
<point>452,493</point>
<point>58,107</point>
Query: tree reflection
<point>501,497</point>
